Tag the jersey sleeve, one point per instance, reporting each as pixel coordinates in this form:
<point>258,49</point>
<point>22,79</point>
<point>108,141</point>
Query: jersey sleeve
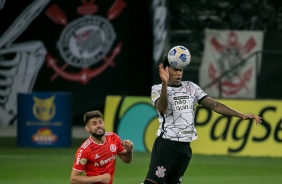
<point>155,93</point>
<point>80,159</point>
<point>118,142</point>
<point>199,93</point>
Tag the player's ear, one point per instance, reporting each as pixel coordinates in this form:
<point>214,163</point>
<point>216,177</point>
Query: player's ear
<point>87,128</point>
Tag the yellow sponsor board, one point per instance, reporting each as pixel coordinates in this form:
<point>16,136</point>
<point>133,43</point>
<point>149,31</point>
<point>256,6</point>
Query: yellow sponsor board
<point>136,119</point>
<point>230,135</point>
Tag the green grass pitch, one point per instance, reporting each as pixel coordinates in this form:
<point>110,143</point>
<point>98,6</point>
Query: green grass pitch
<point>53,166</point>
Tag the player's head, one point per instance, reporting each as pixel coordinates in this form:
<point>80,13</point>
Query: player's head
<point>94,123</point>
<point>91,114</point>
<point>165,62</point>
<point>175,75</point>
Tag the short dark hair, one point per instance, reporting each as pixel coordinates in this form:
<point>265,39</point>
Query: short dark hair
<point>165,62</point>
<point>92,114</point>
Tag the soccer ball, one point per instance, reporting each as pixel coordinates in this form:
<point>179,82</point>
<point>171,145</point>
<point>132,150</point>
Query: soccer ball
<point>179,57</point>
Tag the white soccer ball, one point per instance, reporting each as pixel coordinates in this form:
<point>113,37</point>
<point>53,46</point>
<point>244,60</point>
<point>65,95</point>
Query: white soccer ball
<point>179,57</point>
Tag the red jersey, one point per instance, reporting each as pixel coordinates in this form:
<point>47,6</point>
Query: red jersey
<point>96,159</point>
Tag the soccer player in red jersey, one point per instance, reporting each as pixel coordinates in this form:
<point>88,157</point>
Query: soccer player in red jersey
<point>95,159</point>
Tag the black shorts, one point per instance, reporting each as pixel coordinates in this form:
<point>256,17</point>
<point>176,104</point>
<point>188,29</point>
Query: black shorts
<point>169,161</point>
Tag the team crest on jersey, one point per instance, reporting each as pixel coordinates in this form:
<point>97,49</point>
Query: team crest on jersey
<point>83,161</point>
<point>189,90</point>
<point>161,171</point>
<point>113,148</point>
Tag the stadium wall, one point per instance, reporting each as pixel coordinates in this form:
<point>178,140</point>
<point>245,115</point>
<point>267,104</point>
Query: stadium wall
<point>135,118</point>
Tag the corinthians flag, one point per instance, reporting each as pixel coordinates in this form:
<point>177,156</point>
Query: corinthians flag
<point>90,48</point>
<point>225,50</point>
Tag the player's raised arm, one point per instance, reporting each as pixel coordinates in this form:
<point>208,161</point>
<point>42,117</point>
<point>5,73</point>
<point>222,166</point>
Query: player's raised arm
<point>127,154</point>
<point>161,103</point>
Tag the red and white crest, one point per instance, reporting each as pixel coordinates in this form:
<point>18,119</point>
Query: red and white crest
<point>113,148</point>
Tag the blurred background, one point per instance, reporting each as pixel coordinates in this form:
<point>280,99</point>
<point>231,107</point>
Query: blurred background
<point>59,59</point>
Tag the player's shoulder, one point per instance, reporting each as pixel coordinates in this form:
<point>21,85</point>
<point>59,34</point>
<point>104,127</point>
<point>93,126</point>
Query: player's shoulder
<point>156,86</point>
<point>86,143</point>
<point>189,83</point>
<point>111,134</point>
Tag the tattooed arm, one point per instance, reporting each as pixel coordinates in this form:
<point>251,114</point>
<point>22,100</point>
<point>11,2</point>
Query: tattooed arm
<point>225,110</point>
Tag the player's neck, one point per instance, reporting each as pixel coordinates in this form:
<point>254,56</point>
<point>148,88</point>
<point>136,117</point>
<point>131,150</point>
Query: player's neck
<point>98,140</point>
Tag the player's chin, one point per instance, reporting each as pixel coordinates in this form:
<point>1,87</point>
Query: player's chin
<point>99,133</point>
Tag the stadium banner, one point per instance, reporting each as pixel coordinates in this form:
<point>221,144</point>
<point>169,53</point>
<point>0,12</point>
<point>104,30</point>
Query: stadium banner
<point>44,119</point>
<point>136,119</point>
<point>159,15</point>
<point>225,50</point>
<point>160,21</point>
<point>78,46</point>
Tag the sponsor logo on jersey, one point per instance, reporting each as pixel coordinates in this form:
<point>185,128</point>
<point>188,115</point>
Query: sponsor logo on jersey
<point>97,156</point>
<point>105,161</point>
<point>96,164</point>
<point>181,103</point>
<point>181,97</point>
<point>185,132</point>
<point>78,157</point>
<point>102,162</point>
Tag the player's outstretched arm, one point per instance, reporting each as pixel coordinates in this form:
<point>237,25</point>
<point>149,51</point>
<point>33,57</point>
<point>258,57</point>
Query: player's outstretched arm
<point>225,110</point>
<point>251,116</point>
<point>77,178</point>
<point>127,154</point>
